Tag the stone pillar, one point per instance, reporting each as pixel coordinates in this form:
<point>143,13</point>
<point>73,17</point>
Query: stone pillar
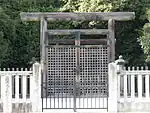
<point>6,88</point>
<point>114,70</point>
<point>36,88</point>
<point>112,99</point>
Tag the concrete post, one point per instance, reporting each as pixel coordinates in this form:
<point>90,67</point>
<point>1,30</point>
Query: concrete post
<point>6,88</point>
<point>119,68</point>
<point>36,88</point>
<point>114,70</point>
<point>112,99</point>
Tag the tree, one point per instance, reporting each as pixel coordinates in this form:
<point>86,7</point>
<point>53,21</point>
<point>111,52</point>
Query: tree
<point>6,32</point>
<point>127,34</point>
<point>145,38</point>
<point>21,39</point>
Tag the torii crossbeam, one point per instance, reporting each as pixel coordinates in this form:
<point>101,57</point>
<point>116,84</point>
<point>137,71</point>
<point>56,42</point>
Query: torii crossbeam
<point>120,16</point>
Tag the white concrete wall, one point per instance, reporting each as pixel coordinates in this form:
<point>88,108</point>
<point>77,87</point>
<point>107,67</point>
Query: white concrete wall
<point>116,103</point>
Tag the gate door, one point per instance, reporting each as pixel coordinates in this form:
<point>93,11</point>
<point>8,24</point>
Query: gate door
<point>76,75</point>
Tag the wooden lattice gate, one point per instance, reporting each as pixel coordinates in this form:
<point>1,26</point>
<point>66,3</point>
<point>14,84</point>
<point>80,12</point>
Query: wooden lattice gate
<point>74,71</point>
<point>76,74</point>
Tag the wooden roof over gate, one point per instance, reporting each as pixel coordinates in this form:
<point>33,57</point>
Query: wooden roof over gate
<point>84,16</point>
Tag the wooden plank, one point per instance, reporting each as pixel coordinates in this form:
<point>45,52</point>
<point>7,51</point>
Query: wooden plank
<point>43,36</point>
<point>77,43</point>
<point>43,28</point>
<point>136,72</point>
<point>24,87</point>
<point>118,88</point>
<point>132,86</point>
<point>147,86</point>
<point>17,88</point>
<point>53,16</point>
<point>75,46</point>
<point>76,85</point>
<point>82,31</point>
<point>111,37</point>
<point>82,41</point>
<point>125,87</point>
<point>139,86</point>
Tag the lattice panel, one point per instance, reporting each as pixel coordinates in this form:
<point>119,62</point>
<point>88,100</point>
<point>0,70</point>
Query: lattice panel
<point>94,68</point>
<point>61,66</point>
<point>61,75</point>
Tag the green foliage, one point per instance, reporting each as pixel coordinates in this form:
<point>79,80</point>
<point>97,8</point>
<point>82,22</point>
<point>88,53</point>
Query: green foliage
<point>20,40</point>
<point>145,38</point>
<point>6,36</point>
<point>127,34</point>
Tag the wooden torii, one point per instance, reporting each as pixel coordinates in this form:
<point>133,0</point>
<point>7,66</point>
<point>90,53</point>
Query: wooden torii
<point>111,17</point>
<point>43,17</point>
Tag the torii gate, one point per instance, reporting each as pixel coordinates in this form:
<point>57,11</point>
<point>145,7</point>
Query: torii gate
<point>61,81</point>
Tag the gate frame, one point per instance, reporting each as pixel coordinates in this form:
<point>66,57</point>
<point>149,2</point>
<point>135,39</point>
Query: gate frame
<point>77,47</point>
<point>111,17</point>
